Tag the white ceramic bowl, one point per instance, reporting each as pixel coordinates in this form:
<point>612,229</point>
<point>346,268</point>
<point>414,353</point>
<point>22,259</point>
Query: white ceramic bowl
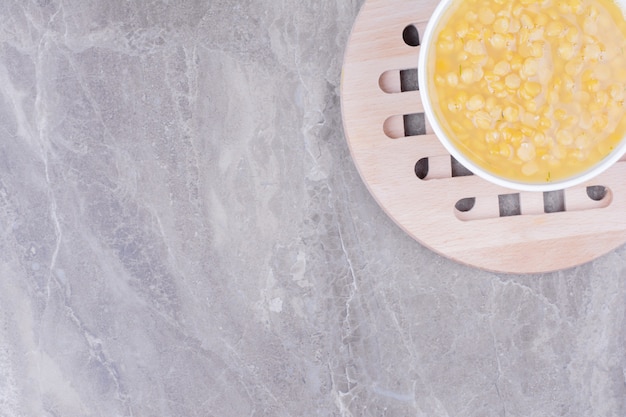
<point>423,78</point>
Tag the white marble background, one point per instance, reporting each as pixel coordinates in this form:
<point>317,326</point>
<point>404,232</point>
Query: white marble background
<point>183,233</point>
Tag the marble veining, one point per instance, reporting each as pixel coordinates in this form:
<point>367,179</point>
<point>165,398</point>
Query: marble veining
<point>183,233</point>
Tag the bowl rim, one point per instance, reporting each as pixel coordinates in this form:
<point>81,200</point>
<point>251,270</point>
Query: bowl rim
<point>577,179</point>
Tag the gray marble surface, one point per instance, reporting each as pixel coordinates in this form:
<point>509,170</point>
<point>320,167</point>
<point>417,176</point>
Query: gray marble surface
<point>184,233</point>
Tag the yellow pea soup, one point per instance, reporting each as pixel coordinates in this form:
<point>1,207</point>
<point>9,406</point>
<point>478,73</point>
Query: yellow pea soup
<point>531,91</point>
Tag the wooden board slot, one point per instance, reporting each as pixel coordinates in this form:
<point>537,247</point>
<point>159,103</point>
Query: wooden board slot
<point>411,35</point>
<point>523,204</point>
<point>401,126</point>
<point>399,81</point>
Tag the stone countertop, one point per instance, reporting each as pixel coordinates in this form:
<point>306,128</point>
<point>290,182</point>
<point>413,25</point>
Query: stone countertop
<point>184,233</point>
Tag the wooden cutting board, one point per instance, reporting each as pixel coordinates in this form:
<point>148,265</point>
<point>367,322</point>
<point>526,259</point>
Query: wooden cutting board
<point>418,185</point>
